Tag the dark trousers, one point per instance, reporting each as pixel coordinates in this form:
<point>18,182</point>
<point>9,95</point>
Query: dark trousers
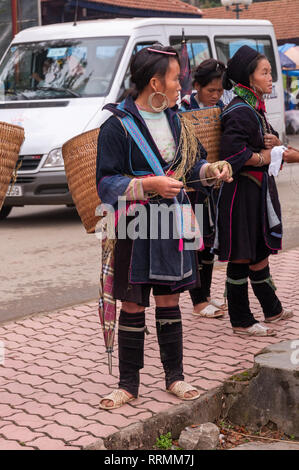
<point>205,266</point>
<point>131,346</point>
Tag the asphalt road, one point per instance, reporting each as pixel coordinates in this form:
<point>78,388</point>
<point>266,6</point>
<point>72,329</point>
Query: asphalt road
<point>47,261</point>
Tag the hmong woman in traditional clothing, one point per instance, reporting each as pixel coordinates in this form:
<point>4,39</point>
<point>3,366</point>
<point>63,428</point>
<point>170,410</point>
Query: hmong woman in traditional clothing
<point>249,216</point>
<point>208,85</point>
<point>142,156</point>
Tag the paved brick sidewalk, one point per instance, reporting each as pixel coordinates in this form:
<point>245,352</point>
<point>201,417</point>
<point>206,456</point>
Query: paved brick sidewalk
<point>55,369</point>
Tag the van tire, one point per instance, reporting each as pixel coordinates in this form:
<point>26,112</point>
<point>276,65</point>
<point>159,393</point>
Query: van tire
<point>5,211</point>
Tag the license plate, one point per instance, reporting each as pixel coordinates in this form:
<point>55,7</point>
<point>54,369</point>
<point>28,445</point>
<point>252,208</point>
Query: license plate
<point>15,190</point>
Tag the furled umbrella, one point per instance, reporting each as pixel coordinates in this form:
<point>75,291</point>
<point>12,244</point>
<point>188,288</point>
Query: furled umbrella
<point>185,75</point>
<point>80,156</point>
<point>107,303</point>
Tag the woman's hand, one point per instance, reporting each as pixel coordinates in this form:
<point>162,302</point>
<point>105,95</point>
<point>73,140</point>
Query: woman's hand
<point>270,141</point>
<point>291,155</point>
<point>266,156</point>
<point>220,170</point>
<point>165,186</point>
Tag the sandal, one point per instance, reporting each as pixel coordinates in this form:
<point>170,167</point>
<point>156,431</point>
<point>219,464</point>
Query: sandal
<point>180,388</point>
<point>210,311</point>
<point>217,304</point>
<point>256,330</point>
<point>118,397</point>
<point>284,315</point>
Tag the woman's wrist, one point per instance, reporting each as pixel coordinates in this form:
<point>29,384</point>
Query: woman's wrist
<point>261,160</point>
<point>204,175</point>
<point>149,184</point>
<point>208,173</point>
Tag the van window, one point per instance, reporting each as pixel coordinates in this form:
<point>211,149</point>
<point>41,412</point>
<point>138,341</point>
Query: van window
<point>227,46</point>
<point>198,48</point>
<point>61,68</point>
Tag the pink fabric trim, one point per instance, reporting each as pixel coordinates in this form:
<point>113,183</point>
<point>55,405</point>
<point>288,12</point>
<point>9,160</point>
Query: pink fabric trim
<point>161,52</point>
<point>236,154</point>
<point>230,221</point>
<point>126,211</point>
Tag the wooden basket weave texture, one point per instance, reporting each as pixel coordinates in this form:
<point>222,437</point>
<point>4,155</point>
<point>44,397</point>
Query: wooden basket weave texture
<point>80,156</point>
<point>11,139</point>
<point>207,125</point>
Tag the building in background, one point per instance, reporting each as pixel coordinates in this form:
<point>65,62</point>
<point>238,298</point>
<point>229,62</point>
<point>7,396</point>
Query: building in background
<point>55,11</point>
<point>16,15</point>
<point>283,14</point>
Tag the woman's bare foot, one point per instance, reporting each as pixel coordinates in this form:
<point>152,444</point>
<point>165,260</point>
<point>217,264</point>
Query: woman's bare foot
<point>255,330</point>
<point>110,403</point>
<point>199,307</point>
<point>190,394</point>
<point>216,303</point>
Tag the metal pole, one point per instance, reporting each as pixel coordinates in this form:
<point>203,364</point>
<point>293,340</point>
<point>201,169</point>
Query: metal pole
<point>14,17</point>
<point>39,13</point>
<point>238,11</point>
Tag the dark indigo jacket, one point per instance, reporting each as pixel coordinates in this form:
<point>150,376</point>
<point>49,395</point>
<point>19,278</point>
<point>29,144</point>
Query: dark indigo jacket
<point>152,261</point>
<point>243,135</point>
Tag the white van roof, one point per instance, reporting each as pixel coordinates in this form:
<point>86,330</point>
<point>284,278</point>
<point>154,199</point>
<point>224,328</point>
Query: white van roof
<point>118,27</point>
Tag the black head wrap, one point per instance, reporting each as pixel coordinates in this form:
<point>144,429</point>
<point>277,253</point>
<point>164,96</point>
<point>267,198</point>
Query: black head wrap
<point>238,67</point>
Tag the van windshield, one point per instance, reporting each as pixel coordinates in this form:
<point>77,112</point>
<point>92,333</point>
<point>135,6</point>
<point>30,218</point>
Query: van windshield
<point>60,69</point>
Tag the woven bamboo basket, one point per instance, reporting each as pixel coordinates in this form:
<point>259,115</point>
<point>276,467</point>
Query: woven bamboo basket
<point>11,139</point>
<point>207,125</point>
<point>80,156</point>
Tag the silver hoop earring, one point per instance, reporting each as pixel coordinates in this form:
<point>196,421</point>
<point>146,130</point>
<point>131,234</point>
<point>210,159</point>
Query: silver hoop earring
<point>164,105</point>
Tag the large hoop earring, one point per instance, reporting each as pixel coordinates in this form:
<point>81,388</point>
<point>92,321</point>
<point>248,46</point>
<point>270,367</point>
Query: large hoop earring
<point>164,105</point>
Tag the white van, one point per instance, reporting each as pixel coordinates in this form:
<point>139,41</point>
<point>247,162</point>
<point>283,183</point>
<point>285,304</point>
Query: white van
<point>55,80</point>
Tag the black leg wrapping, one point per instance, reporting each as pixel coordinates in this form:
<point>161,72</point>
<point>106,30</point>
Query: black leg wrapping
<point>237,295</point>
<point>206,275</point>
<point>264,289</point>
<point>198,294</point>
<point>130,350</point>
<point>205,266</point>
<point>170,339</point>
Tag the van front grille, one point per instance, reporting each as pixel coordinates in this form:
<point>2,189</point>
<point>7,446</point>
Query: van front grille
<point>28,162</point>
<point>24,179</point>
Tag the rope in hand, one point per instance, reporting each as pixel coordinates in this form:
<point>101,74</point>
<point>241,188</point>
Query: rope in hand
<point>220,165</point>
<point>14,178</point>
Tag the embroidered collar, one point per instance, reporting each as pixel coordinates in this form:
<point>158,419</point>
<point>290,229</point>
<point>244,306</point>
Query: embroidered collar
<point>248,95</point>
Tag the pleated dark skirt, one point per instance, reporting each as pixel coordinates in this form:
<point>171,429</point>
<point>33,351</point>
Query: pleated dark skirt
<point>247,239</point>
<point>138,293</point>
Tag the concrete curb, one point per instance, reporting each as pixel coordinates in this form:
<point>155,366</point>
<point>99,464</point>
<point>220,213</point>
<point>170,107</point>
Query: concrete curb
<point>143,434</point>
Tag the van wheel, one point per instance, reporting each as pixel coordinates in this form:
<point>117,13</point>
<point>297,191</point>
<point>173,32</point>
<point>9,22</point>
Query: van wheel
<point>4,212</point>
